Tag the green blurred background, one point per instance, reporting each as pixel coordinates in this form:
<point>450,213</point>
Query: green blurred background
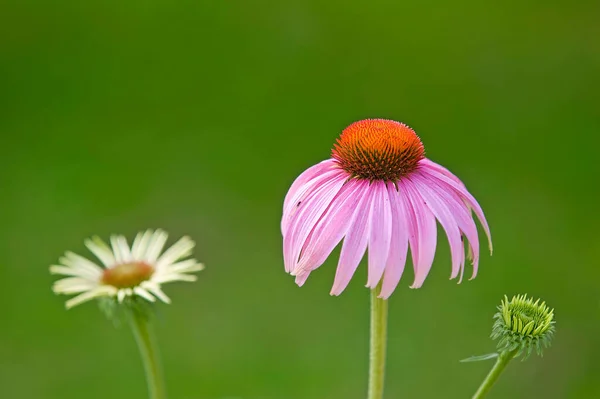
<point>196,117</point>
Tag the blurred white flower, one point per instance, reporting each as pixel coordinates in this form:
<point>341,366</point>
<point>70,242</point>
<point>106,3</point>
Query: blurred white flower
<point>136,271</point>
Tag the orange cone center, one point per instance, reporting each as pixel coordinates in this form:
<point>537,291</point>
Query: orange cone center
<point>378,149</point>
<point>127,275</point>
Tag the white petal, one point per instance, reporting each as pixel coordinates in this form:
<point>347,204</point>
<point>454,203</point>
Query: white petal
<point>124,248</point>
<point>144,294</point>
<point>180,249</point>
<point>155,246</point>
<point>117,248</point>
<point>140,244</point>
<point>101,250</point>
<point>169,277</point>
<point>73,285</point>
<point>186,266</point>
<point>121,294</point>
<point>77,261</point>
<point>100,291</point>
<point>76,271</point>
<point>155,290</point>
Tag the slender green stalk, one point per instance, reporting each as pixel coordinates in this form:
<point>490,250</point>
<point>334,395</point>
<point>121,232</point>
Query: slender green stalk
<point>144,336</point>
<point>503,359</point>
<point>379,311</point>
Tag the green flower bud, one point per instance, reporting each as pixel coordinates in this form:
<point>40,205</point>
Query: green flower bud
<point>522,325</point>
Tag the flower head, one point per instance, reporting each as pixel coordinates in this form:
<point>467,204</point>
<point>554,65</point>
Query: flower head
<point>378,191</point>
<point>136,271</point>
<point>523,325</point>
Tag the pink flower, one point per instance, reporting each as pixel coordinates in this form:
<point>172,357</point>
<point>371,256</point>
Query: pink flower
<point>378,191</point>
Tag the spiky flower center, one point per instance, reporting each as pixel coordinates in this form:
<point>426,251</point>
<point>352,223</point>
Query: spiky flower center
<point>523,324</point>
<point>127,275</point>
<point>378,149</point>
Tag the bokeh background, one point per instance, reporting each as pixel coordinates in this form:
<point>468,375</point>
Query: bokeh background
<point>196,116</point>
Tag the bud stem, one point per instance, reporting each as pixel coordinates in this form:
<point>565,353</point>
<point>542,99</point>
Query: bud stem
<point>144,336</point>
<point>379,311</point>
<point>501,362</point>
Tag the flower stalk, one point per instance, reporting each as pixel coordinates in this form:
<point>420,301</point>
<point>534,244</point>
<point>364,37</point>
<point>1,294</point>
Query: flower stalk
<point>501,362</point>
<point>378,341</point>
<point>144,336</point>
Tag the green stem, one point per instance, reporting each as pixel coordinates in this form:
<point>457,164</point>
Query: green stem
<point>144,336</point>
<point>379,310</point>
<point>503,359</point>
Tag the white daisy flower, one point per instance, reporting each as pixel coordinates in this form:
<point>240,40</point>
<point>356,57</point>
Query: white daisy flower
<point>139,270</point>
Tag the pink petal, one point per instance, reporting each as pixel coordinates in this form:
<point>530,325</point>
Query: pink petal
<point>301,278</point>
<point>306,215</point>
<point>424,230</point>
<point>464,194</point>
<point>332,226</point>
<point>463,216</point>
<point>398,246</point>
<point>380,233</point>
<point>440,210</point>
<point>292,204</point>
<point>299,186</point>
<point>435,166</point>
<point>355,243</point>
<point>411,225</point>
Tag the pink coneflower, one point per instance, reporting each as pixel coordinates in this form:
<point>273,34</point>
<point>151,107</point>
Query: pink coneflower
<point>378,191</point>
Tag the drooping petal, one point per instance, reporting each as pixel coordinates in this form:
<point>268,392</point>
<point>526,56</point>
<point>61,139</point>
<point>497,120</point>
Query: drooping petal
<point>295,209</point>
<point>355,244</point>
<point>380,233</point>
<point>411,225</point>
<point>463,216</point>
<point>464,194</point>
<point>300,184</point>
<point>398,246</point>
<point>435,166</point>
<point>424,230</point>
<point>332,227</point>
<point>442,213</point>
<point>306,215</point>
<point>301,278</point>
